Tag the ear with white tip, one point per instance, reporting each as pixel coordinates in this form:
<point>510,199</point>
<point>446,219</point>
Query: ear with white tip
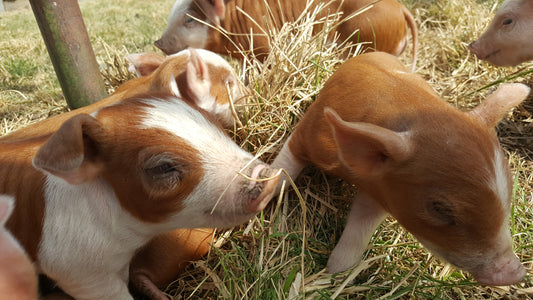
<point>497,104</point>
<point>366,148</point>
<point>198,82</point>
<point>72,151</point>
<point>6,207</point>
<point>144,64</point>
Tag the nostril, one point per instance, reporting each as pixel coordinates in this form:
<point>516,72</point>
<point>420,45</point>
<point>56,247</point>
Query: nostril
<point>263,191</point>
<point>159,45</point>
<point>255,175</point>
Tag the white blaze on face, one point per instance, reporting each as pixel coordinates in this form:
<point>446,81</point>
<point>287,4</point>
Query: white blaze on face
<point>221,159</point>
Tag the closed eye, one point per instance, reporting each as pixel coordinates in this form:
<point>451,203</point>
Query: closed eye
<point>161,170</point>
<point>507,21</point>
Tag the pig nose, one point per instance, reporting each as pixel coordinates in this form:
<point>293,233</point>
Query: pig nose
<point>262,187</point>
<point>159,45</point>
<point>472,47</point>
<point>504,271</point>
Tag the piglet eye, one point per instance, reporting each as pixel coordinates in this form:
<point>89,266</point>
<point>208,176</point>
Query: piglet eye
<point>163,173</point>
<point>161,170</point>
<point>507,21</point>
<point>189,20</point>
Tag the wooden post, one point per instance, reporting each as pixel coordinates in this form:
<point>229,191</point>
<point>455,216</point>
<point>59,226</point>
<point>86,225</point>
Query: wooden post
<point>70,50</point>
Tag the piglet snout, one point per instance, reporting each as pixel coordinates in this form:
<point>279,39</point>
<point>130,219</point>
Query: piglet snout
<point>160,45</point>
<point>505,270</point>
<point>261,187</point>
<point>474,49</point>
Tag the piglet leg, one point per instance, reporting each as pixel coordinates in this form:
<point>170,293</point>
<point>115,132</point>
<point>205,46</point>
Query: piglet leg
<point>365,215</point>
<point>289,163</point>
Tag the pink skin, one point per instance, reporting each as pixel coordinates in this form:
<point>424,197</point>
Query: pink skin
<point>267,190</point>
<point>508,39</point>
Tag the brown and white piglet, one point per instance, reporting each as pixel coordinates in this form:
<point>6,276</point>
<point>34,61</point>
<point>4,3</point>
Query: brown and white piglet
<point>18,279</point>
<point>509,37</point>
<point>91,193</point>
<point>193,23</point>
<point>199,77</point>
<point>438,171</point>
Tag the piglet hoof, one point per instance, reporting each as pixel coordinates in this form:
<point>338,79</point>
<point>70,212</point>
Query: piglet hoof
<point>144,285</point>
<point>341,260</point>
<point>262,187</point>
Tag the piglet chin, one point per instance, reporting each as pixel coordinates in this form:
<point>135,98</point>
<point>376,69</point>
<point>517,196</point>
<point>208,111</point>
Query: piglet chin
<point>268,188</point>
<point>504,271</point>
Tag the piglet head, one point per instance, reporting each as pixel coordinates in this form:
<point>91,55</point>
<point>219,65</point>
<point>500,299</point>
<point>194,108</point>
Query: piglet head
<point>507,40</point>
<point>190,25</point>
<point>447,183</point>
<point>198,76</point>
<point>166,161</point>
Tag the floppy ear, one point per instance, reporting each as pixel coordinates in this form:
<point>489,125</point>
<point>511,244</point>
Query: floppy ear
<point>219,8</point>
<point>497,104</point>
<point>144,64</point>
<point>6,207</point>
<point>366,148</point>
<point>214,10</point>
<point>198,82</point>
<point>72,153</point>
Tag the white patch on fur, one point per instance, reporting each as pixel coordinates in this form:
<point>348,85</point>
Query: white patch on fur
<point>88,240</point>
<point>220,157</point>
<point>501,184</point>
<point>174,86</point>
<point>208,57</point>
<point>214,59</point>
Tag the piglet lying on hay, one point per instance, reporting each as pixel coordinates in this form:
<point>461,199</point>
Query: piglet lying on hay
<point>245,24</point>
<point>507,40</point>
<point>18,279</point>
<point>91,190</point>
<point>439,171</point>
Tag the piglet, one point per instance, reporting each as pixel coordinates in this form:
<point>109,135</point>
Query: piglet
<point>18,279</point>
<point>193,23</point>
<point>439,171</point>
<point>509,37</point>
<point>95,187</point>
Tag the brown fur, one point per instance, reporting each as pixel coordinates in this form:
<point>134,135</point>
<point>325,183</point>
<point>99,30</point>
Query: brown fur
<point>382,28</point>
<point>429,165</point>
